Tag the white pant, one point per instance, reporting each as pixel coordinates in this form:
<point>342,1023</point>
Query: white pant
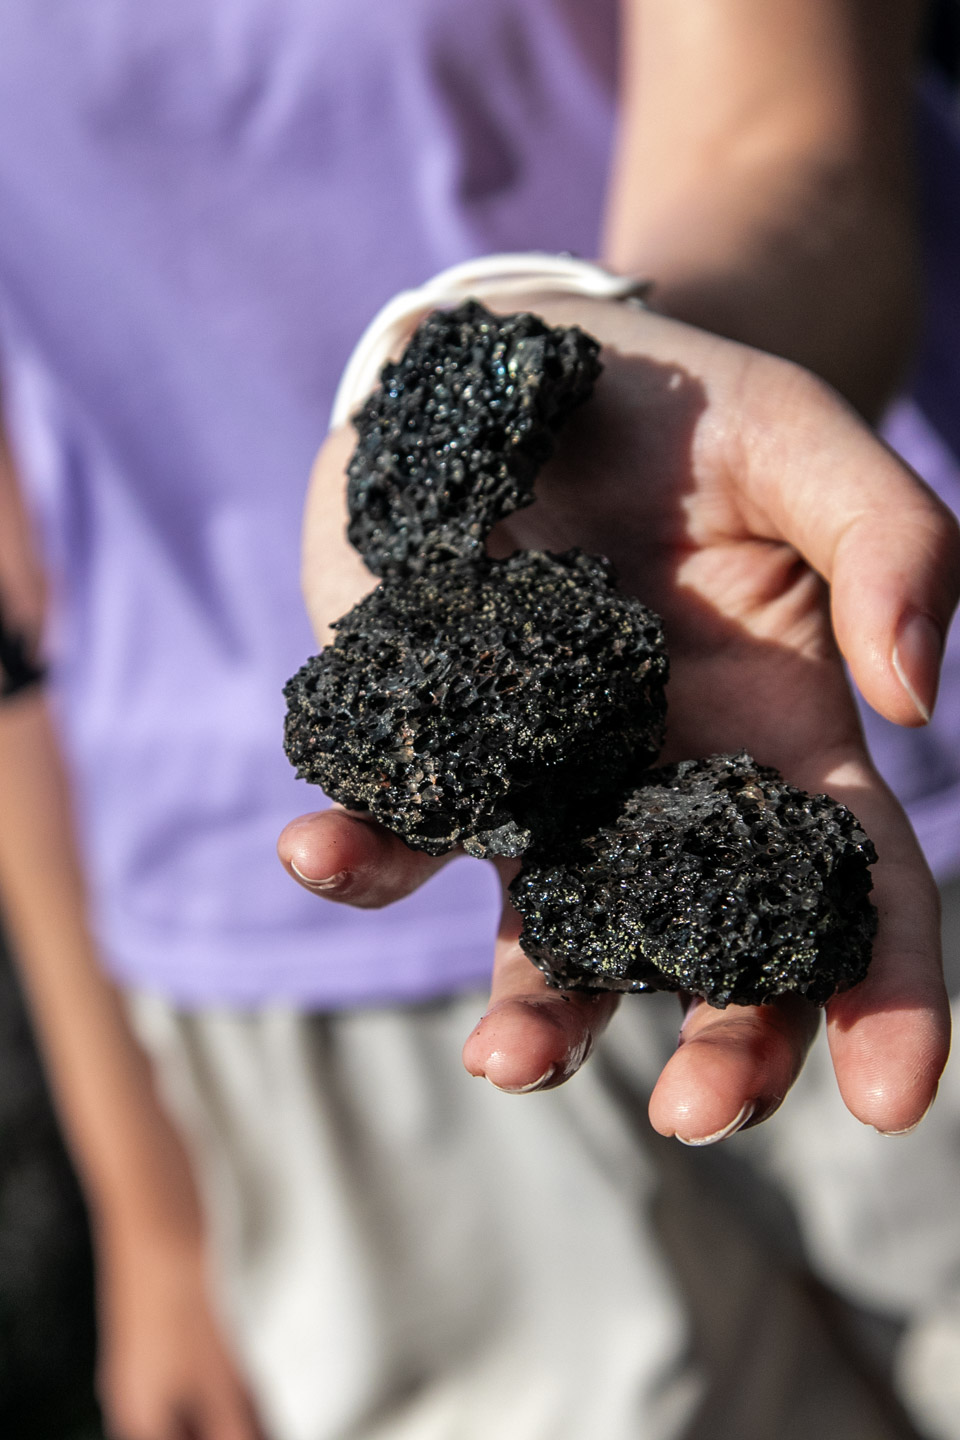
<point>881,1215</point>
<point>407,1254</point>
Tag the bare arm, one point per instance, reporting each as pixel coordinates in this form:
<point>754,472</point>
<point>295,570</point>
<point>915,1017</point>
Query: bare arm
<point>160,1347</point>
<point>127,1153</point>
<point>762,176</point>
<point>131,1161</point>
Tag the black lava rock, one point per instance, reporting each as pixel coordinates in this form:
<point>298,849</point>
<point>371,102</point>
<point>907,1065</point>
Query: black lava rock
<point>512,706</point>
<point>482,703</point>
<point>717,878</point>
<point>452,439</point>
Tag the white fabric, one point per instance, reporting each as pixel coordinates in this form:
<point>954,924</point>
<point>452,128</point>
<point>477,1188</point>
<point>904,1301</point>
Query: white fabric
<point>407,1254</point>
<point>882,1214</point>
<point>487,275</point>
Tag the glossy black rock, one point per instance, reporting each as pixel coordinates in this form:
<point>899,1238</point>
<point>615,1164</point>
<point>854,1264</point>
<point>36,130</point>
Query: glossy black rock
<point>717,878</point>
<point>482,703</point>
<point>512,707</point>
<point>452,439</point>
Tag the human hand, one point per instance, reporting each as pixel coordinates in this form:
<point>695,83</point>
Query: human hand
<point>729,488</point>
<point>165,1372</point>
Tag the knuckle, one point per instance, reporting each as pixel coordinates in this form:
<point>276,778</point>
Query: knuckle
<point>787,380</point>
<point>762,1039</point>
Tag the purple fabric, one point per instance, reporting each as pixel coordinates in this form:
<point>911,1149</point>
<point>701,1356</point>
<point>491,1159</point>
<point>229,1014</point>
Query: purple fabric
<point>201,204</point>
<point>936,383</point>
<point>924,765</point>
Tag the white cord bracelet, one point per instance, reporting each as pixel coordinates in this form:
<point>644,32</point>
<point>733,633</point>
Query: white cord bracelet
<point>487,275</point>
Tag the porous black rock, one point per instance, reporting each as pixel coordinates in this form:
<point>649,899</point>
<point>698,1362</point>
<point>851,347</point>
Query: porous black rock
<point>718,878</point>
<point>512,706</point>
<point>453,437</point>
<point>482,703</point>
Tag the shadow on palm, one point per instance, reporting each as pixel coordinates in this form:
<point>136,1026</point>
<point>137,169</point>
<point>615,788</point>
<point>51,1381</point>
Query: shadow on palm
<point>753,662</point>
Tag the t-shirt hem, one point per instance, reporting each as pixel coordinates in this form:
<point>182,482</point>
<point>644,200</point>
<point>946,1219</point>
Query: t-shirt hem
<point>294,969</point>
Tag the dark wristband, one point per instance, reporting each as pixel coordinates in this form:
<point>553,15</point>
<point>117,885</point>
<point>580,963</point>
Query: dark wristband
<point>19,668</point>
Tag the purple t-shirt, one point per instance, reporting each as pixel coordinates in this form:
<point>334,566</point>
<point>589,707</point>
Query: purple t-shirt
<point>201,205</point>
<point>924,765</point>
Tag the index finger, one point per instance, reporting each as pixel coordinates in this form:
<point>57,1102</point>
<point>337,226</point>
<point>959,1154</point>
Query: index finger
<point>532,1036</point>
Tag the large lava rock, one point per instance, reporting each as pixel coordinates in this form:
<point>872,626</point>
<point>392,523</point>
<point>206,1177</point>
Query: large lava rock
<point>717,878</point>
<point>457,705</point>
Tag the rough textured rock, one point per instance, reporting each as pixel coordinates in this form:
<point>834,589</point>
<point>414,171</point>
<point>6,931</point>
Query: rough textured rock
<point>452,439</point>
<point>512,706</point>
<point>457,706</point>
<point>717,878</point>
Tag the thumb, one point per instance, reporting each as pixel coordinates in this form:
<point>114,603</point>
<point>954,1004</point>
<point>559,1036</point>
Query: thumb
<point>819,479</point>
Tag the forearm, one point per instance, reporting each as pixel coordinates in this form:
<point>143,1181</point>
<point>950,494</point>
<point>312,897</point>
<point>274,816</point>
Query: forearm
<point>129,1157</point>
<point>131,1160</point>
<point>762,176</point>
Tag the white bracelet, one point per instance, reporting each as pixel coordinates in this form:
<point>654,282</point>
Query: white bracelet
<point>487,275</point>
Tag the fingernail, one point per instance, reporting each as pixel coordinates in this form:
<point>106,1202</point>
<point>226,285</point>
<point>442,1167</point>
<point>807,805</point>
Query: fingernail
<point>908,1129</point>
<point>332,882</point>
<point>544,1080</point>
<point>737,1123</point>
<point>916,659</point>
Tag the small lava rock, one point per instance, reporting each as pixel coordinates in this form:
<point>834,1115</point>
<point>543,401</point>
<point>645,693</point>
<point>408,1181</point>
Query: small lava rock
<point>717,878</point>
<point>457,705</point>
<point>452,439</point>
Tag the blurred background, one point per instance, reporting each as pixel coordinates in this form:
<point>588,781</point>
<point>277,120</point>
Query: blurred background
<point>47,1336</point>
<point>47,1326</point>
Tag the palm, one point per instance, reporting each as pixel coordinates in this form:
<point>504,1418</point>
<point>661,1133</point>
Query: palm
<point>706,471</point>
<point>747,621</point>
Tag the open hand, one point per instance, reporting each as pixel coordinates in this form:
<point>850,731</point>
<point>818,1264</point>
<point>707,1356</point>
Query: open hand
<point>742,499</point>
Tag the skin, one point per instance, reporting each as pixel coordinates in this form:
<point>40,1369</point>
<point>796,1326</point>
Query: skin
<point>165,1369</point>
<point>760,177</point>
<point>747,503</point>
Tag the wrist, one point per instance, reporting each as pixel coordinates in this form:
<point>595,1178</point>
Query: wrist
<point>508,282</point>
<point>124,1232</point>
<point>159,1211</point>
